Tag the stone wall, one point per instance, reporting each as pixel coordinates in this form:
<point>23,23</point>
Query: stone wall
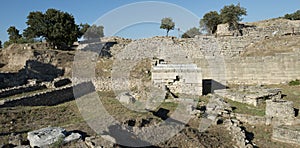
<point>21,89</point>
<point>253,120</point>
<point>263,70</point>
<point>280,112</point>
<point>179,78</point>
<point>217,58</point>
<point>287,134</point>
<point>50,97</point>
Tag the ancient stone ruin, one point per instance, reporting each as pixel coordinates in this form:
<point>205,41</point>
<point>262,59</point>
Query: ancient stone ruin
<point>253,95</point>
<point>178,78</point>
<point>280,111</point>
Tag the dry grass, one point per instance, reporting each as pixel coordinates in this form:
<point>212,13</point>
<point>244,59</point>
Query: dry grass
<point>269,47</point>
<point>262,137</point>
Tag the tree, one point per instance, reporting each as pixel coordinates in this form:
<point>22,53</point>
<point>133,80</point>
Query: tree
<point>0,44</point>
<point>37,25</point>
<point>83,28</point>
<point>232,15</point>
<point>293,16</point>
<point>210,21</point>
<point>57,27</point>
<point>13,33</point>
<point>191,33</point>
<point>168,24</point>
<point>93,32</point>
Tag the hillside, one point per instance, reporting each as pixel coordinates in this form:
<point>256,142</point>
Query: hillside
<point>37,89</point>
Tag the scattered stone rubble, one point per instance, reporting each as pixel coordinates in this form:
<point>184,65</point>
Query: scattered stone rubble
<point>279,113</point>
<point>219,112</point>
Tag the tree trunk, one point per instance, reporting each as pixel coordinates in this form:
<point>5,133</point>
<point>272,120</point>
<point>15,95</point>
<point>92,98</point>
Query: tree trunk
<point>168,32</point>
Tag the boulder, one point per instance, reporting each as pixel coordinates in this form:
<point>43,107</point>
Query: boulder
<point>126,98</point>
<point>72,137</point>
<point>46,136</point>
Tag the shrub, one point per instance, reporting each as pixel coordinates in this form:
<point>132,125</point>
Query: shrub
<point>294,82</point>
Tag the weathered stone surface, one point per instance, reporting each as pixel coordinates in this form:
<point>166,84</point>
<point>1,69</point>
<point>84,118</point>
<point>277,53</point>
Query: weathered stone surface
<point>287,134</point>
<point>98,142</point>
<point>253,120</point>
<point>238,133</point>
<point>22,146</point>
<point>125,97</point>
<point>46,136</point>
<point>280,112</point>
<point>250,95</point>
<point>72,137</point>
<point>178,78</point>
<point>15,139</point>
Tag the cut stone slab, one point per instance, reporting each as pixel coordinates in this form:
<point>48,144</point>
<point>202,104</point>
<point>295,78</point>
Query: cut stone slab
<point>72,137</point>
<point>46,136</point>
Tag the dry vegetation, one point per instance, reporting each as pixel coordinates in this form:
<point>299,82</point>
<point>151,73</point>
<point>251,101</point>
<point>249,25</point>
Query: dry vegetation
<point>273,45</point>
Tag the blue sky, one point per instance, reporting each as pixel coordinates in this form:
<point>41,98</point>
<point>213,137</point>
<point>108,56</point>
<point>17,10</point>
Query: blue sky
<point>14,13</point>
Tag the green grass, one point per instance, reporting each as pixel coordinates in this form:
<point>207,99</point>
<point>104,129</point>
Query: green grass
<point>243,108</point>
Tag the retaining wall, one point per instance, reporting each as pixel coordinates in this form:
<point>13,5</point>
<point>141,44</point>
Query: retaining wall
<point>21,89</point>
<point>52,97</point>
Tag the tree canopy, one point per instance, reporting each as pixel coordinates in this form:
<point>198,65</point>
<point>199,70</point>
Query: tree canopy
<point>57,27</point>
<point>168,24</point>
<point>13,33</point>
<point>293,16</point>
<point>83,28</point>
<point>232,14</point>
<point>92,32</point>
<point>210,21</point>
<point>191,33</point>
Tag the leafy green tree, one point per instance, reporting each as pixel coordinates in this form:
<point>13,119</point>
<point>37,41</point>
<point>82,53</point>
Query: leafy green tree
<point>37,25</point>
<point>13,33</point>
<point>210,21</point>
<point>83,29</point>
<point>232,14</point>
<point>168,24</point>
<point>191,33</point>
<point>93,32</point>
<point>293,16</point>
<point>57,27</point>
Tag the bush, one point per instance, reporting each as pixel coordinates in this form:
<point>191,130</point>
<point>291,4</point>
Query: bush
<point>293,16</point>
<point>294,82</point>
